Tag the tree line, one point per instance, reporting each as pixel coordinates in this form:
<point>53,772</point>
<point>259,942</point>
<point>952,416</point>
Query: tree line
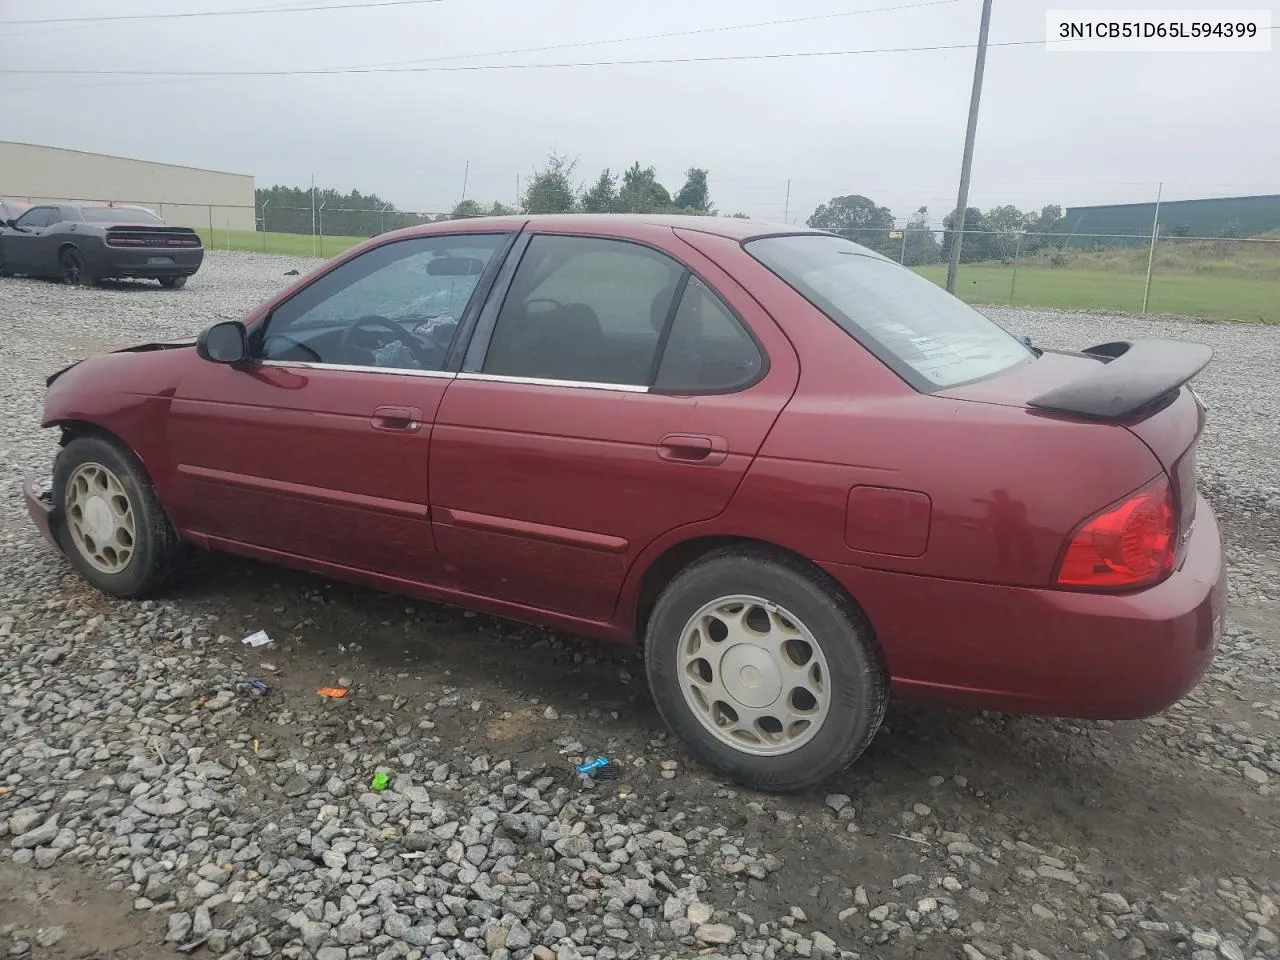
<point>1000,233</point>
<point>551,189</point>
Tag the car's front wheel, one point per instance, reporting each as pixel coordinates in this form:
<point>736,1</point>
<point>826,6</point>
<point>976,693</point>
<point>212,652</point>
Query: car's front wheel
<point>173,283</point>
<point>767,672</point>
<point>72,269</point>
<point>111,524</point>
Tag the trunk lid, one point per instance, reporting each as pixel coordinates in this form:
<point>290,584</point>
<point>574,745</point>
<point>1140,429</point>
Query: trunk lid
<point>1136,385</point>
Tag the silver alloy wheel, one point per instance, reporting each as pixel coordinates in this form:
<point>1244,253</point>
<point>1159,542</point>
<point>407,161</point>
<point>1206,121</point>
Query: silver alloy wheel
<point>100,518</point>
<point>754,675</point>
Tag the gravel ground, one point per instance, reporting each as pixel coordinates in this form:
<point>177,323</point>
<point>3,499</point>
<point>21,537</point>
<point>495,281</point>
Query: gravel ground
<point>153,805</point>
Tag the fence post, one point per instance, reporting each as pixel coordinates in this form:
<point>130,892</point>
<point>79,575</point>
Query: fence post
<point>321,216</point>
<point>212,241</point>
<point>902,256</point>
<point>1151,255</point>
<point>264,223</point>
<point>1017,254</point>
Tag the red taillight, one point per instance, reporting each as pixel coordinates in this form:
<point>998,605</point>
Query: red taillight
<point>113,241</point>
<point>1129,544</point>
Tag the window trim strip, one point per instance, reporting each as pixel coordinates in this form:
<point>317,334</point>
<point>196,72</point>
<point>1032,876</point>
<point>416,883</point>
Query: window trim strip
<point>545,382</point>
<point>357,368</point>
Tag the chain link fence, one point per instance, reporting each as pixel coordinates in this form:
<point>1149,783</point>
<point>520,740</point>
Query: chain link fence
<point>1221,278</point>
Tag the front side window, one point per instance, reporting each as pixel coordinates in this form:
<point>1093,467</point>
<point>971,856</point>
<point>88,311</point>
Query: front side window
<point>584,309</point>
<point>396,306</point>
<point>930,338</point>
<point>37,217</point>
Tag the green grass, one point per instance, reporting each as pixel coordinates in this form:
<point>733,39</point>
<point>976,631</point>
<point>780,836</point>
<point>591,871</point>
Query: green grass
<point>1183,293</point>
<point>292,244</point>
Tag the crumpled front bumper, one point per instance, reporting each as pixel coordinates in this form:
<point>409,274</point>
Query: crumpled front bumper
<point>37,494</point>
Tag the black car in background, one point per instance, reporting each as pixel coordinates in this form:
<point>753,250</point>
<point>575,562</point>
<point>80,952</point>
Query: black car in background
<point>81,244</point>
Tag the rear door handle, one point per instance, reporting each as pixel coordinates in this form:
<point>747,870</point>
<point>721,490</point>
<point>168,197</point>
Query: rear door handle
<point>691,448</point>
<point>402,419</point>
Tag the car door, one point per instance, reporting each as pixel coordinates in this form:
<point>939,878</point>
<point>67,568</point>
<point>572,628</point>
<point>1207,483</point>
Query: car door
<point>23,242</point>
<point>318,447</point>
<point>594,414</point>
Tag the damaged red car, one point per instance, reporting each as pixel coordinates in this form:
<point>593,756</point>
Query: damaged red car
<point>801,477</point>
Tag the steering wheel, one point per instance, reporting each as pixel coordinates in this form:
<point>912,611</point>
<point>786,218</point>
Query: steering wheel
<point>292,342</point>
<point>405,337</point>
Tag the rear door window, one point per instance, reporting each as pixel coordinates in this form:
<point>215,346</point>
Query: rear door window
<point>708,350</point>
<point>584,309</point>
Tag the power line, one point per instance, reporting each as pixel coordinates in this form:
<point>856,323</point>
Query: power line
<point>362,5</point>
<point>336,71</point>
<point>669,35</point>
<point>587,43</point>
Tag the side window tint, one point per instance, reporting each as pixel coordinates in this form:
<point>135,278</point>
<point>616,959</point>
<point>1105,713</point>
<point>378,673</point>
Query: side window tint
<point>584,309</point>
<point>36,217</point>
<point>708,349</point>
<point>398,305</point>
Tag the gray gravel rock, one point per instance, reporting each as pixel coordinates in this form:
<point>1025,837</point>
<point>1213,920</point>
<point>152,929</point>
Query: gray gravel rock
<point>132,752</point>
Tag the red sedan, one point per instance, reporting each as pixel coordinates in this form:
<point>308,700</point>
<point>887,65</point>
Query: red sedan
<point>801,476</point>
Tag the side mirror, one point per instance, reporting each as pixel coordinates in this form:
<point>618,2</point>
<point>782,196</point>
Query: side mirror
<point>225,342</point>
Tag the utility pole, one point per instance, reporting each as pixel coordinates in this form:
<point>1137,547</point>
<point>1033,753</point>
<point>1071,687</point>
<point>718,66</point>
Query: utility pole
<point>466,175</point>
<point>966,164</point>
<point>786,207</point>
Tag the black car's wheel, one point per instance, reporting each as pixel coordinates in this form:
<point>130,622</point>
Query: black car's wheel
<point>767,673</point>
<point>72,269</point>
<point>111,524</point>
<point>173,283</point>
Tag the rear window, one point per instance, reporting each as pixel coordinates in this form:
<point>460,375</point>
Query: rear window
<point>118,215</point>
<point>928,337</point>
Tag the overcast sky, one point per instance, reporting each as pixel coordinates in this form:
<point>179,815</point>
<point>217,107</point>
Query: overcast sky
<point>1054,127</point>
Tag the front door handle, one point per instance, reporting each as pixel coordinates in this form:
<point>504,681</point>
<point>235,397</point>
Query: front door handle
<point>691,448</point>
<point>402,419</point>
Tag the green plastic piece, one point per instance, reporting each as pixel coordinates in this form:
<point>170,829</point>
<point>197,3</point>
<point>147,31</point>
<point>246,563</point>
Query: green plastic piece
<point>380,781</point>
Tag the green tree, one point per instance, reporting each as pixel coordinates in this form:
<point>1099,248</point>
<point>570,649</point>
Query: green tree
<point>920,243</point>
<point>695,195</point>
<point>603,196</point>
<point>500,210</point>
<point>465,209</point>
<point>550,189</point>
<point>641,192</point>
<point>1003,226</point>
<point>971,249</point>
<point>740,216</point>
<point>851,214</point>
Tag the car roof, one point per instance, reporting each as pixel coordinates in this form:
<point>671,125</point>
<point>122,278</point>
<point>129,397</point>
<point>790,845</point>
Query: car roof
<point>618,224</point>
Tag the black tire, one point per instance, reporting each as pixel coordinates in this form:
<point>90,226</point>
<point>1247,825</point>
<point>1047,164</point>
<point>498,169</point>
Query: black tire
<point>72,270</point>
<point>157,553</point>
<point>173,283</point>
<point>858,682</point>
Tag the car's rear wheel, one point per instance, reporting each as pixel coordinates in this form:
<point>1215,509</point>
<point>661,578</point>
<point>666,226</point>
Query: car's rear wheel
<point>173,283</point>
<point>110,522</point>
<point>767,672</point>
<point>72,269</point>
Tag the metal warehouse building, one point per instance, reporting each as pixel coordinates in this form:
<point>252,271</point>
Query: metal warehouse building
<point>184,196</point>
<point>1210,217</point>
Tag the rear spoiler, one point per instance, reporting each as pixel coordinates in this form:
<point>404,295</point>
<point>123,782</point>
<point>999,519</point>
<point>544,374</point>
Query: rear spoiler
<point>1133,375</point>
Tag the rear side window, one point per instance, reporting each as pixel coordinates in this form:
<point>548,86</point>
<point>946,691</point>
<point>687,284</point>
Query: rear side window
<point>707,350</point>
<point>928,337</point>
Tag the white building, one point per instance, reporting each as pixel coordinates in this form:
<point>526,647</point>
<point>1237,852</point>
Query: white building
<point>184,196</point>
